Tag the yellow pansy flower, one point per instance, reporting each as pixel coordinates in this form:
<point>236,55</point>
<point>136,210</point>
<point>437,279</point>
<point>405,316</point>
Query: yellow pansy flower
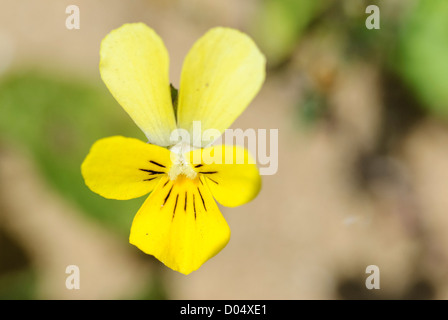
<point>179,223</point>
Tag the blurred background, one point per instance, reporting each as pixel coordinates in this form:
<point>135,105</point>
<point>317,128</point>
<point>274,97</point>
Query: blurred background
<point>363,152</point>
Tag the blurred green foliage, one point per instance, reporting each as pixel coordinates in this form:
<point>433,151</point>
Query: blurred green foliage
<point>18,285</point>
<point>57,119</point>
<point>423,51</point>
<point>313,107</point>
<point>279,24</point>
<point>412,40</point>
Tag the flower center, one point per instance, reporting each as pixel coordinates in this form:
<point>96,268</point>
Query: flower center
<point>181,165</point>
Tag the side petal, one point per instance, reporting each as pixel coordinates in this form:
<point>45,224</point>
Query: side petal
<point>134,66</point>
<point>124,168</point>
<point>180,224</point>
<point>230,173</point>
<point>221,74</point>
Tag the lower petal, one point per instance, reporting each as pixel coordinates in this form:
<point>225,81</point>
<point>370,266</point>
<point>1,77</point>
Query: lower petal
<point>180,224</point>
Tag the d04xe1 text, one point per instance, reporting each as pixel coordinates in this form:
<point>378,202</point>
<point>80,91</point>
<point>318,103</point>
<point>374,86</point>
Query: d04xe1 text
<point>245,309</point>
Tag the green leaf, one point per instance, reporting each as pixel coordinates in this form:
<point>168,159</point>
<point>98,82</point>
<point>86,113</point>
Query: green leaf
<point>422,54</point>
<point>174,95</point>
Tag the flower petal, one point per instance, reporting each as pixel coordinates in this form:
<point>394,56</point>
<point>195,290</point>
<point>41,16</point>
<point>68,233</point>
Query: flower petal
<point>230,172</point>
<point>221,74</point>
<point>180,224</point>
<point>124,168</point>
<point>134,66</point>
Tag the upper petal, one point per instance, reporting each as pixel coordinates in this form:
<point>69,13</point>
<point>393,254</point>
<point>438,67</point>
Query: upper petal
<point>134,65</point>
<point>230,172</point>
<point>124,168</point>
<point>180,224</point>
<point>221,74</point>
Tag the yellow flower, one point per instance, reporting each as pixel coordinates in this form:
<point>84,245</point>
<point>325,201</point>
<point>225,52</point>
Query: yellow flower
<point>179,223</point>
